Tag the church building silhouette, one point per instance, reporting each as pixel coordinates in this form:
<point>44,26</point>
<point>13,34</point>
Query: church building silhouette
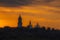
<point>19,21</point>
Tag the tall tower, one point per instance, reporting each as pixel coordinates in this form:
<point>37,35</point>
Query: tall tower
<point>19,22</point>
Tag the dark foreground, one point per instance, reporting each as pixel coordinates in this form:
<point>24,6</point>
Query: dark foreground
<point>24,36</point>
<point>29,34</point>
<point>19,36</point>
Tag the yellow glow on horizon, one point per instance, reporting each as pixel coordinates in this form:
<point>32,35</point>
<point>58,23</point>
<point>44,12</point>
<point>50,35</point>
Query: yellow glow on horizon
<point>44,15</point>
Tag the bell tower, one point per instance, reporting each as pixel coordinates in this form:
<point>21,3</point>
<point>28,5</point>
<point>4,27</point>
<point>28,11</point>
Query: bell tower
<point>19,21</point>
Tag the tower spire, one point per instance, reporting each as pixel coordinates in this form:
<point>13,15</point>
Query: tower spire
<point>30,25</point>
<point>19,21</point>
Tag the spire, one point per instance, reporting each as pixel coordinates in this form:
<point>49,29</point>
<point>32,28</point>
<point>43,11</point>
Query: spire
<point>30,25</point>
<point>19,21</point>
<point>20,16</point>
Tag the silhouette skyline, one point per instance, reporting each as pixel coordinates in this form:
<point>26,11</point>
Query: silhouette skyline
<point>19,24</point>
<point>29,19</point>
<point>29,25</point>
<point>28,32</point>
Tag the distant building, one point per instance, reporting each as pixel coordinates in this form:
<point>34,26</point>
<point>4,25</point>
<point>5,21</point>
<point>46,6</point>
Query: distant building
<point>20,22</point>
<point>37,26</point>
<point>30,25</point>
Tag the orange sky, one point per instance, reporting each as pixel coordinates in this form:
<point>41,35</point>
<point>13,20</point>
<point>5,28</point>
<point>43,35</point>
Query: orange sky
<point>44,15</point>
<point>44,12</point>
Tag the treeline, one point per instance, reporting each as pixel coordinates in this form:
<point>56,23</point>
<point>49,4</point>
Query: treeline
<point>28,34</point>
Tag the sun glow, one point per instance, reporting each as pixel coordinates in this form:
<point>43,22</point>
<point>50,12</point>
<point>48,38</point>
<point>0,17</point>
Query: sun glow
<point>44,15</point>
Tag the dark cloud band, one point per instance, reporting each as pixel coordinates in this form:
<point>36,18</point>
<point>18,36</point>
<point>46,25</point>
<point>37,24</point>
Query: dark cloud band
<point>13,3</point>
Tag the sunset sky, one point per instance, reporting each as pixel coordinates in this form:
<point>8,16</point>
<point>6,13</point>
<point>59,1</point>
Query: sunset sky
<point>44,12</point>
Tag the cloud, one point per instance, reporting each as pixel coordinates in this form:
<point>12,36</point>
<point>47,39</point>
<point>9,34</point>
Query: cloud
<point>13,3</point>
<point>53,3</point>
<point>44,1</point>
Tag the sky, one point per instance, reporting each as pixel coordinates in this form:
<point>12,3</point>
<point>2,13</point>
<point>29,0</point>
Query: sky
<point>44,12</point>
